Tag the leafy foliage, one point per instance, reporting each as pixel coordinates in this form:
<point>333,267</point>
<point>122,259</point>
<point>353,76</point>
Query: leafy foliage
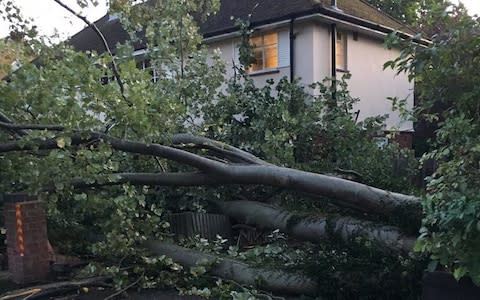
<point>402,10</point>
<point>410,12</point>
<point>447,79</point>
<point>360,270</point>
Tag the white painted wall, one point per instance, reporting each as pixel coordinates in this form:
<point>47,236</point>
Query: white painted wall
<point>373,85</point>
<point>322,56</point>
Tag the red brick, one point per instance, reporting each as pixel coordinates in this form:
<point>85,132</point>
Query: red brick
<point>34,265</point>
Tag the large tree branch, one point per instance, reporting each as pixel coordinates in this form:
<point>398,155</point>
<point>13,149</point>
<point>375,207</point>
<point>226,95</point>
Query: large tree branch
<point>348,193</point>
<point>315,228</point>
<point>277,281</point>
<point>116,73</point>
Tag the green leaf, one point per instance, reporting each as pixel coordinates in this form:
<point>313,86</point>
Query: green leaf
<point>61,142</point>
<point>459,272</point>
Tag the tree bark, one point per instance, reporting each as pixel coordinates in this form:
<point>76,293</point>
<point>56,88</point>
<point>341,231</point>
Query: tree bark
<point>276,281</point>
<point>315,228</point>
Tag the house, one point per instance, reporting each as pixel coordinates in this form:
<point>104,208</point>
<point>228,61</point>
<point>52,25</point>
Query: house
<point>307,39</point>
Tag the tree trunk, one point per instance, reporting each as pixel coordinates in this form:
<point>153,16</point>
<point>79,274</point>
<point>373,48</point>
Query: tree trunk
<point>276,281</point>
<point>315,228</point>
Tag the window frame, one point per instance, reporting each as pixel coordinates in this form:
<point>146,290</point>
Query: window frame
<point>263,47</point>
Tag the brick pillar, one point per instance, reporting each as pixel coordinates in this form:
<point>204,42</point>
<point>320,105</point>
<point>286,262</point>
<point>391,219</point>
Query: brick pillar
<point>27,241</point>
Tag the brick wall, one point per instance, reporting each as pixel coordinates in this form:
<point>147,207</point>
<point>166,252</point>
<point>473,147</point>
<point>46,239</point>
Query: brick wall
<point>27,241</point>
<point>404,139</point>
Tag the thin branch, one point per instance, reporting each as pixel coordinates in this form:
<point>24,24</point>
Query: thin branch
<point>13,126</point>
<point>45,290</point>
<point>28,111</point>
<point>263,294</point>
<point>116,73</point>
<point>89,137</point>
<point>154,179</point>
<point>349,172</point>
<point>5,119</point>
<point>124,289</point>
<point>191,141</point>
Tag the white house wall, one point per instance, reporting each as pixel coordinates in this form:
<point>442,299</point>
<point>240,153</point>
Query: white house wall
<point>322,57</point>
<point>373,85</point>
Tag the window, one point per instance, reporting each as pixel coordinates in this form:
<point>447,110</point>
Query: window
<point>146,65</point>
<point>341,51</point>
<point>265,52</point>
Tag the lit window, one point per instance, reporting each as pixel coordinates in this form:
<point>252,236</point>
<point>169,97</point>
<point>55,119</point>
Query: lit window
<point>265,52</point>
<point>341,51</point>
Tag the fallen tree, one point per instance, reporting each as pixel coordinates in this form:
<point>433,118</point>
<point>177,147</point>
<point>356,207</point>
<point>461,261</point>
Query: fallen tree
<point>98,134</point>
<point>272,280</point>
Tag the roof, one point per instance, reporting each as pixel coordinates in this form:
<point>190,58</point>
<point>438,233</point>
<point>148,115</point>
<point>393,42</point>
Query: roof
<point>262,12</point>
<point>268,11</point>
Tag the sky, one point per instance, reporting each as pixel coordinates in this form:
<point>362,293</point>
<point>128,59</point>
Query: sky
<point>50,17</point>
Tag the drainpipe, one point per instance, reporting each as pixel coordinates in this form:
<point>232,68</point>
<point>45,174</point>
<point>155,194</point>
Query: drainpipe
<point>334,49</point>
<point>334,53</point>
<point>292,50</point>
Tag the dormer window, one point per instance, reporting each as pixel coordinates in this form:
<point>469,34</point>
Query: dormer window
<point>265,52</point>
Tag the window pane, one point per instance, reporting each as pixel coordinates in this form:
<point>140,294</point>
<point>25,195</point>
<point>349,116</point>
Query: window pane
<point>258,56</point>
<point>256,41</point>
<point>271,57</point>
<point>341,47</point>
<point>270,39</point>
<point>340,62</point>
<point>266,52</point>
